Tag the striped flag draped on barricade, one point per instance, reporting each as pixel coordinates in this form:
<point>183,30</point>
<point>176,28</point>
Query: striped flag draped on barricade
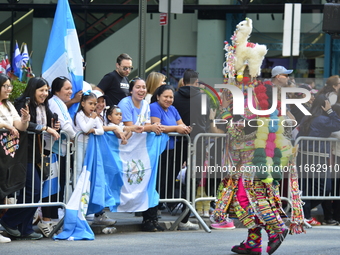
<point>122,177</point>
<point>51,184</point>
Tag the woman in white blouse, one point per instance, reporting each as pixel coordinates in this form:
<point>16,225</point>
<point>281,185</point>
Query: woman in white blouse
<point>61,91</point>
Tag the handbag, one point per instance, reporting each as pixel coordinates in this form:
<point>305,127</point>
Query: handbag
<point>44,165</point>
<point>13,163</point>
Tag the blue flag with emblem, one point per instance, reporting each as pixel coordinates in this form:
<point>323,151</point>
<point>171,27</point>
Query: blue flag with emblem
<point>17,62</point>
<point>121,177</point>
<point>51,184</point>
<point>63,55</point>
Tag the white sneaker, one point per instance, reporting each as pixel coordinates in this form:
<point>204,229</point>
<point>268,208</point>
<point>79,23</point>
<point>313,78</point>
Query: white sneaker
<point>4,239</point>
<point>103,220</point>
<point>206,214</point>
<point>46,227</point>
<point>188,226</point>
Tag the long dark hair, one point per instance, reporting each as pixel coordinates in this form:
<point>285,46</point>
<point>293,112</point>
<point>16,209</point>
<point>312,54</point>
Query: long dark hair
<point>58,83</point>
<point>316,111</point>
<point>159,91</point>
<point>110,111</point>
<point>32,85</point>
<point>3,79</point>
<point>133,82</point>
<point>330,82</point>
<point>86,95</point>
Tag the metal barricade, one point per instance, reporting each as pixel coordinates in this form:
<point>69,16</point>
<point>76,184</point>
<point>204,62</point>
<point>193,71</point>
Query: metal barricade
<point>211,162</point>
<point>285,189</point>
<point>208,166</point>
<point>318,168</point>
<point>174,184</point>
<point>46,187</point>
<point>76,150</point>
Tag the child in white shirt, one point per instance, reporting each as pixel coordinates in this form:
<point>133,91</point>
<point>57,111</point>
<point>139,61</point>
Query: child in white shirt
<point>114,117</point>
<point>87,121</point>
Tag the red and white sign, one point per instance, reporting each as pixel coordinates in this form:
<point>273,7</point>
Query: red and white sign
<point>163,19</point>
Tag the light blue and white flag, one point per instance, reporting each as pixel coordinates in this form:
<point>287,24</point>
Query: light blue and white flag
<point>122,177</point>
<point>17,62</point>
<point>75,224</point>
<point>134,187</point>
<point>24,56</point>
<point>51,184</point>
<point>63,55</point>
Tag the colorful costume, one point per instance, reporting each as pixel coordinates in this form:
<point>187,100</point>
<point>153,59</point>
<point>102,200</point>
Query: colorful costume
<point>251,193</point>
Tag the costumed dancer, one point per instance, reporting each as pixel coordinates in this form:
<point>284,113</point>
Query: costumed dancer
<point>251,193</point>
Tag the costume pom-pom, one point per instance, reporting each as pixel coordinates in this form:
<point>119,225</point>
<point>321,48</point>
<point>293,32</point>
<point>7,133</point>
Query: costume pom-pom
<point>239,78</point>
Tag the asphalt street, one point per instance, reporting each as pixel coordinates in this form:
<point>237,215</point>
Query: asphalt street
<point>321,240</point>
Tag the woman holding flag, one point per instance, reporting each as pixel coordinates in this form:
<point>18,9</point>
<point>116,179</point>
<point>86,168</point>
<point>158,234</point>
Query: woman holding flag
<point>136,111</point>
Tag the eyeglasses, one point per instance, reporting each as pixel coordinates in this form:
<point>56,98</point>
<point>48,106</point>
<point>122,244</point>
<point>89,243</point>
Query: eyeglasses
<point>7,86</point>
<point>84,64</point>
<point>125,68</point>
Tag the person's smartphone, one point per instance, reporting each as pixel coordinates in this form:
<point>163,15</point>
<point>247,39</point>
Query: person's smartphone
<point>27,101</point>
<point>55,119</point>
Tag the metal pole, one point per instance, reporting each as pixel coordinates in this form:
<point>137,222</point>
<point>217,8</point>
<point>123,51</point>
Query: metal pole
<point>168,43</point>
<point>142,18</point>
<point>162,42</point>
<point>12,41</point>
<point>291,41</point>
<point>85,38</point>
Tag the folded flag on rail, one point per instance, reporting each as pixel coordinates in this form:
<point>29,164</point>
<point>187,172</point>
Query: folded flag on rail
<point>63,55</point>
<point>121,177</point>
<point>131,174</point>
<point>51,184</point>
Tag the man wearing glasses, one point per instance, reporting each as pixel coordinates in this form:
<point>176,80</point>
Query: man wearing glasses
<point>115,84</point>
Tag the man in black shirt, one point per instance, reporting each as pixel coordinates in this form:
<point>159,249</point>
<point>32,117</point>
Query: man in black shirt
<point>115,84</point>
<point>188,101</point>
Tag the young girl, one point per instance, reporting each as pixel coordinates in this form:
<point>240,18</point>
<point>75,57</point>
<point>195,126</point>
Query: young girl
<point>101,107</point>
<point>114,116</point>
<point>87,121</point>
